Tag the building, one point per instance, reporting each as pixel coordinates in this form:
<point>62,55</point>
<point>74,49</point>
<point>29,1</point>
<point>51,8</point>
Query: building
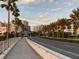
<point>3,30</point>
<point>26,27</point>
<point>3,27</point>
<point>37,28</point>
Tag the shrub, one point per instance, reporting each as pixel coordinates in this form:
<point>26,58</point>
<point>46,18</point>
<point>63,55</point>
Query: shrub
<point>2,38</point>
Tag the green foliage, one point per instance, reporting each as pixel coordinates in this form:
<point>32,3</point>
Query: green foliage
<point>2,38</point>
<point>3,5</point>
<point>11,6</point>
<point>17,22</point>
<point>16,14</point>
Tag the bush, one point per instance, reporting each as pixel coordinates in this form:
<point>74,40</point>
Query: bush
<point>2,38</point>
<point>11,35</point>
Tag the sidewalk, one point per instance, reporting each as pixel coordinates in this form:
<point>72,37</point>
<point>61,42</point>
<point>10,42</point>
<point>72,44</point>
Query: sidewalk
<point>22,51</point>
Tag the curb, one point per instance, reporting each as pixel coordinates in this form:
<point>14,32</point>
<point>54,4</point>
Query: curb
<point>44,52</point>
<point>4,54</point>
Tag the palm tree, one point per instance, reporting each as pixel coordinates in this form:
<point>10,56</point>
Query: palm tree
<point>76,13</point>
<point>45,29</point>
<point>75,19</point>
<point>9,7</point>
<point>15,11</point>
<point>68,23</point>
<point>18,23</point>
<point>52,26</point>
<point>61,23</point>
<point>69,27</point>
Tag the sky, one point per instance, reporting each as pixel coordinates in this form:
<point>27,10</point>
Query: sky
<point>38,12</point>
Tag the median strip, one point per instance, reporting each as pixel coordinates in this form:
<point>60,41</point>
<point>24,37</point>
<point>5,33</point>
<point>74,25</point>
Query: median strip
<point>44,52</point>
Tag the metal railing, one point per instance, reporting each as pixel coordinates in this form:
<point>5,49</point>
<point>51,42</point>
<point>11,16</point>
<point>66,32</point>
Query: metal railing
<point>4,44</point>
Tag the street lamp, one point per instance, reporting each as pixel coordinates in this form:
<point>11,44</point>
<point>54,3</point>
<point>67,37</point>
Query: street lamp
<point>10,6</point>
<point>8,25</point>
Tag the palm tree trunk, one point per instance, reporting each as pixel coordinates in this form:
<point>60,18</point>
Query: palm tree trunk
<point>16,29</point>
<point>62,34</point>
<point>52,34</point>
<point>57,35</point>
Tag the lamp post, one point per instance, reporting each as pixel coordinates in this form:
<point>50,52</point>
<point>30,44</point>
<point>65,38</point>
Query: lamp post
<point>8,25</point>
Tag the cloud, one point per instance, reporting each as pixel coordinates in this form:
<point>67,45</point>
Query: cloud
<point>27,1</point>
<point>44,18</point>
<point>57,9</point>
<point>41,20</point>
<point>76,1</point>
<point>50,1</point>
<point>34,1</point>
<point>68,3</point>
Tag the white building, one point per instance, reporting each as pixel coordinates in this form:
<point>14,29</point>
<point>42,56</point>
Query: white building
<point>37,28</point>
<point>69,30</point>
<point>26,27</point>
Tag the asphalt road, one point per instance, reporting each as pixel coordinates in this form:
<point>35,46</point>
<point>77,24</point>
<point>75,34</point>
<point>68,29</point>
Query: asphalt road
<point>65,48</point>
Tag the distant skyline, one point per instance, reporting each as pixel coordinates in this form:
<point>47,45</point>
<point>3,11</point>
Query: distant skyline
<point>38,12</point>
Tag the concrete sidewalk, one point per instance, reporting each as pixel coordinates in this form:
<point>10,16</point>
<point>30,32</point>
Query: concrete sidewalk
<point>22,51</point>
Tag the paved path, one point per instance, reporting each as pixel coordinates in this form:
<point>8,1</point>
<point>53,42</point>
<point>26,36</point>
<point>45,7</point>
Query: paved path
<point>22,51</point>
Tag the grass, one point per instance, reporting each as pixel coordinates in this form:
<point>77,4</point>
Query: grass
<point>70,39</point>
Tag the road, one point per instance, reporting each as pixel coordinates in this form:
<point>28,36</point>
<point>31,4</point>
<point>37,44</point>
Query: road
<point>65,48</point>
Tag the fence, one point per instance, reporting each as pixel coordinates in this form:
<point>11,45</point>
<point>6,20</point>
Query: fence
<point>6,43</point>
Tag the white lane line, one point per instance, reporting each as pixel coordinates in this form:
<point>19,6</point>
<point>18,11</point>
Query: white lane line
<point>60,49</point>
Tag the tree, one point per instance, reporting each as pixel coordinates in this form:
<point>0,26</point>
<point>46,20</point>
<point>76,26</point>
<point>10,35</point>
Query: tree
<point>61,23</point>
<point>68,23</point>
<point>18,23</point>
<point>52,26</point>
<point>75,18</point>
<point>10,8</point>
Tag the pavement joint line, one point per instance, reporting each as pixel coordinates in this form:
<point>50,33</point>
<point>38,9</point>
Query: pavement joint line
<point>51,51</point>
<point>4,54</point>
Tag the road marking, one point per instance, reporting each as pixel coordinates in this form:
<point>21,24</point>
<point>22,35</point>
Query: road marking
<point>60,49</point>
